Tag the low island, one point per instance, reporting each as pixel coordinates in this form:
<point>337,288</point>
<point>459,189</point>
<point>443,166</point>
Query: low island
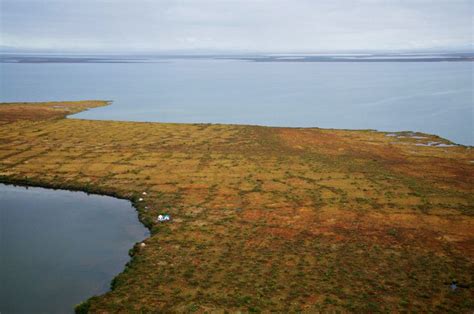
<point>262,218</point>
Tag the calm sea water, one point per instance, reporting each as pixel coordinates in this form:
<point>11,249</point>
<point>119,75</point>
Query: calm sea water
<point>431,97</point>
<point>59,248</point>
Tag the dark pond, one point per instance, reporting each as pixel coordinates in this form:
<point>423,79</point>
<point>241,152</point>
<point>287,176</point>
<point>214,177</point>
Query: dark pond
<point>59,248</point>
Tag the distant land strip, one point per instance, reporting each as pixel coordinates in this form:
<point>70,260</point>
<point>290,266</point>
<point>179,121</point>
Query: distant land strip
<point>21,58</point>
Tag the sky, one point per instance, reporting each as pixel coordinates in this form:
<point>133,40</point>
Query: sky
<point>237,25</point>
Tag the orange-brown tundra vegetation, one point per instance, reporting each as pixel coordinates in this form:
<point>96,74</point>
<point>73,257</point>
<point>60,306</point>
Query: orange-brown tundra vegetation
<point>264,219</point>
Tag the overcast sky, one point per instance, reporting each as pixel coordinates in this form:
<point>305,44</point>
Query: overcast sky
<point>237,25</point>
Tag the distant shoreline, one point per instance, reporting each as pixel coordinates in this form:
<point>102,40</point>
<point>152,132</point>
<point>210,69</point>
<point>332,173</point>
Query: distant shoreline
<point>90,58</point>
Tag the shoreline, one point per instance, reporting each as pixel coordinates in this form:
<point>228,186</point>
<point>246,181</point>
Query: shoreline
<point>398,133</point>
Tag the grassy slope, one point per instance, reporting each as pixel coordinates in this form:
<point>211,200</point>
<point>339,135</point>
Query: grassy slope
<point>265,218</point>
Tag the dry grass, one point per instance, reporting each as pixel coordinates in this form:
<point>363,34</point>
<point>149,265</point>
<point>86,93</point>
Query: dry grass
<point>279,219</point>
<point>10,112</point>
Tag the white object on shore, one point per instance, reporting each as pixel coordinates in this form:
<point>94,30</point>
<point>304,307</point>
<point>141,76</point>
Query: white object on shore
<point>142,244</point>
<point>140,199</point>
<point>144,193</point>
<point>163,218</point>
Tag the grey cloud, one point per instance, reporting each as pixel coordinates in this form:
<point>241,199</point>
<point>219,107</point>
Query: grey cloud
<point>259,25</point>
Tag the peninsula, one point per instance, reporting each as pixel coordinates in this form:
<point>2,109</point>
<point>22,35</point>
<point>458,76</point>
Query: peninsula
<point>263,218</point>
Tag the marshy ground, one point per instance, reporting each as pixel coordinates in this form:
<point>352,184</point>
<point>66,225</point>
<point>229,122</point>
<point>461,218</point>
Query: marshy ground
<point>264,219</point>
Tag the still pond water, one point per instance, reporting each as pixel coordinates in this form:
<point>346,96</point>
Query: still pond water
<point>59,248</point>
<point>431,97</point>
